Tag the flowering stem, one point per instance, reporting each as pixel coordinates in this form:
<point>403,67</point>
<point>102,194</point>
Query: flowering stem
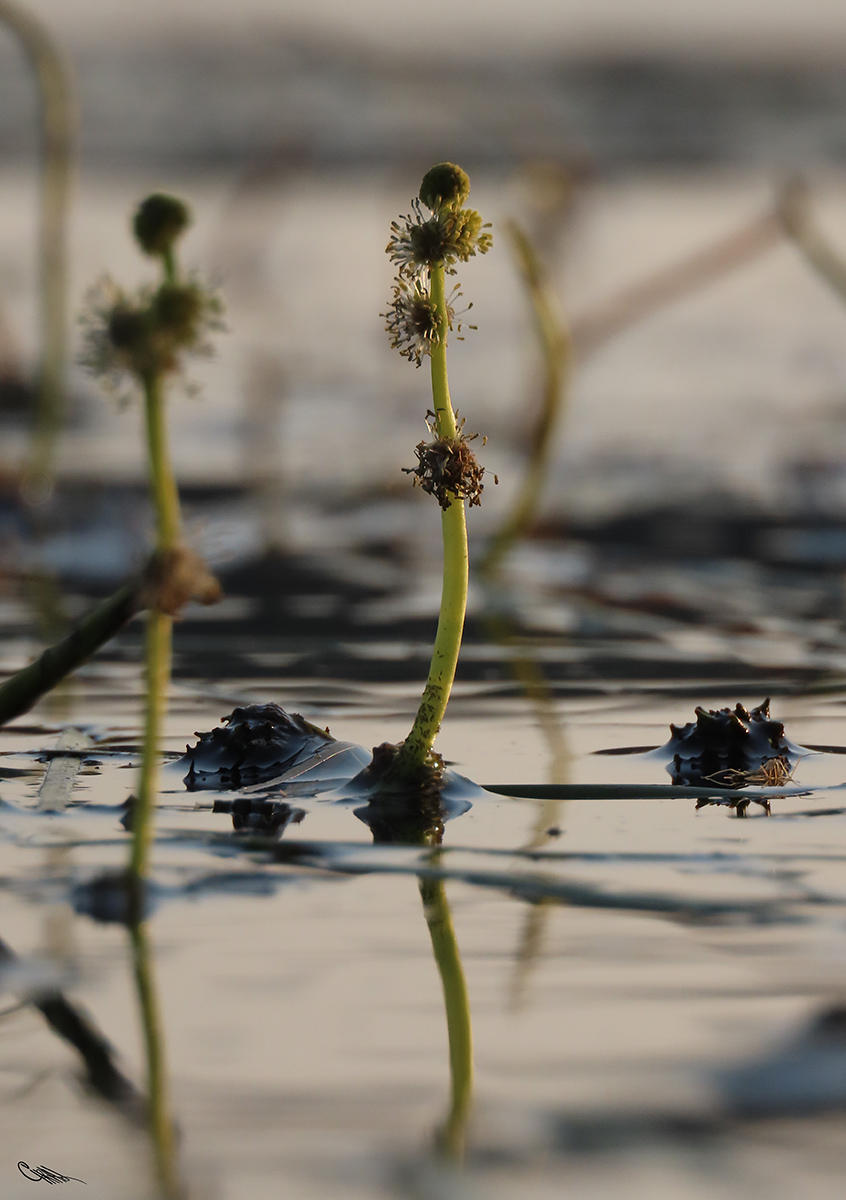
<point>416,748</point>
<point>444,416</point>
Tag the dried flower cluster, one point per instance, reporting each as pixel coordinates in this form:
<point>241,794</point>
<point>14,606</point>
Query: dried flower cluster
<point>448,469</point>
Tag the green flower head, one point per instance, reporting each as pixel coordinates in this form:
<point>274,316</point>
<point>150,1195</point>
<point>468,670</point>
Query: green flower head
<point>159,222</point>
<point>444,186</point>
<point>451,234</point>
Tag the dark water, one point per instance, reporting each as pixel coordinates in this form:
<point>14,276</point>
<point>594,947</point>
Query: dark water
<point>654,991</point>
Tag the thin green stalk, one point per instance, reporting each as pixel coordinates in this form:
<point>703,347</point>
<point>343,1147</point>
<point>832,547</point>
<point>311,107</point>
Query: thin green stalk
<point>169,264</point>
<point>58,131</point>
<point>158,664</point>
<point>161,1124</point>
<point>452,1135</point>
<point>444,416</point>
<point>159,624</point>
<point>555,343</point>
<point>416,748</point>
<point>162,481</point>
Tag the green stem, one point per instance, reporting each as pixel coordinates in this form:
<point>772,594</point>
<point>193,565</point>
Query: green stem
<point>416,748</point>
<point>162,482</point>
<point>58,130</point>
<point>158,664</point>
<point>169,265</point>
<point>444,416</point>
<point>161,1125</point>
<point>554,338</point>
<point>452,1135</point>
<point>159,624</point>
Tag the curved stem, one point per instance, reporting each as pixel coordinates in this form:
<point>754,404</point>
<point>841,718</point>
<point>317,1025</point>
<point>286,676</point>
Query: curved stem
<point>58,132</point>
<point>416,748</point>
<point>554,338</point>
<point>795,212</point>
<point>452,1135</point>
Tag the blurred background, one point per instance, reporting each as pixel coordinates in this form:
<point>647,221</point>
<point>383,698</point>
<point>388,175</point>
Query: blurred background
<point>678,173</point>
<point>640,146</point>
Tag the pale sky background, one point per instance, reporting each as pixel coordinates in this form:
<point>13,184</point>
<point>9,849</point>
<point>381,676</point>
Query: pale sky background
<point>741,28</point>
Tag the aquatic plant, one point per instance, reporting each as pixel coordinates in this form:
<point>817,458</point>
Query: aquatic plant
<point>425,249</point>
<point>144,337</point>
<point>58,119</point>
<point>728,744</point>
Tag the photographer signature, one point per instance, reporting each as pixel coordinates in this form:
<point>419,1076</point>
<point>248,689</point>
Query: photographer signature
<point>45,1175</point>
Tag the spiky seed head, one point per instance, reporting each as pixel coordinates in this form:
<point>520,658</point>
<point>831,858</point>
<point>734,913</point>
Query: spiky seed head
<point>128,328</point>
<point>159,221</point>
<point>178,309</point>
<point>444,186</point>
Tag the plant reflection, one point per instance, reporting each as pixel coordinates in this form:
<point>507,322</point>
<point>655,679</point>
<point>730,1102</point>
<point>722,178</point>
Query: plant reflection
<point>451,1136</point>
<point>74,1026</point>
<point>161,1128</point>
<point>419,821</point>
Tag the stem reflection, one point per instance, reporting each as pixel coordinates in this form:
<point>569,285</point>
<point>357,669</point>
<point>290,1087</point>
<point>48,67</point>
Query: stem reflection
<point>161,1125</point>
<point>451,1136</point>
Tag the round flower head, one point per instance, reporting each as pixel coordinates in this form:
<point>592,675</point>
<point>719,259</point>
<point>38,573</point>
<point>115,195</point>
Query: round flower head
<point>444,186</point>
<point>448,236</point>
<point>146,333</point>
<point>159,221</point>
<point>452,233</point>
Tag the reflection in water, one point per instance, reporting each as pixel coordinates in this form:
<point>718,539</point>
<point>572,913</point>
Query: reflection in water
<point>161,1126</point>
<point>419,821</point>
<point>450,1138</point>
<point>530,675</point>
<point>76,1028</point>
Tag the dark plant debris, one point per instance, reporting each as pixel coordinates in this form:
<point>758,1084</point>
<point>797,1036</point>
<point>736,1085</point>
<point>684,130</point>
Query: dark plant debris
<point>448,470</point>
<point>257,742</point>
<point>731,748</point>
